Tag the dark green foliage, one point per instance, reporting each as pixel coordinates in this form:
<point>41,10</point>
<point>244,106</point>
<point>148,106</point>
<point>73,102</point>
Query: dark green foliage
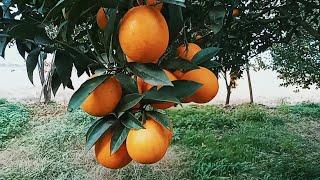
<point>298,62</point>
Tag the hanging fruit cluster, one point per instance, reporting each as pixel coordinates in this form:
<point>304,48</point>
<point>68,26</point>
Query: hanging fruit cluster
<point>133,126</point>
<point>140,60</point>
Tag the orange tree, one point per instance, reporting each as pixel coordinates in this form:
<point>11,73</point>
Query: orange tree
<point>243,29</point>
<point>130,51</point>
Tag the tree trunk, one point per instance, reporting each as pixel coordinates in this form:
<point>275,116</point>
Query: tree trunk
<point>250,85</point>
<point>228,86</point>
<point>45,79</point>
<point>228,95</point>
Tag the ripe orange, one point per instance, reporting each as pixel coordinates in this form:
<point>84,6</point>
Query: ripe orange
<point>144,34</point>
<point>187,52</point>
<point>141,85</point>
<point>116,160</point>
<point>183,53</point>
<point>149,145</point>
<point>235,12</point>
<point>104,99</point>
<point>156,3</point>
<point>102,19</point>
<point>209,83</point>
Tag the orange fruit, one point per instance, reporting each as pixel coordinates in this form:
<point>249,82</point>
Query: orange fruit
<point>235,12</point>
<point>149,145</point>
<point>102,19</point>
<point>209,88</point>
<point>156,3</point>
<point>144,34</point>
<point>104,99</point>
<point>141,85</point>
<point>187,52</point>
<point>103,154</point>
<point>178,74</point>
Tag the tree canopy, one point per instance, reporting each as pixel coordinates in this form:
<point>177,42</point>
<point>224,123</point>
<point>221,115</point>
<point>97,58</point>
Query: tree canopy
<point>298,63</point>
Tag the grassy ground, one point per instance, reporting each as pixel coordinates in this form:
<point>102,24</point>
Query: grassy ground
<point>245,142</point>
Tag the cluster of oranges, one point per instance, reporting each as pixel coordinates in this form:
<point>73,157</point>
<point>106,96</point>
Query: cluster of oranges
<point>144,38</point>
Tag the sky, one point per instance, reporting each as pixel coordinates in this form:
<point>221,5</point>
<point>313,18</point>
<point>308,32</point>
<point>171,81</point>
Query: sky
<point>14,85</point>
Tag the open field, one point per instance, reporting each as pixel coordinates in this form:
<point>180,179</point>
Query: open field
<point>266,86</point>
<point>242,142</point>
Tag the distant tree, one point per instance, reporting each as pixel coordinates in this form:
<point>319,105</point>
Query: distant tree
<point>250,28</point>
<point>298,63</point>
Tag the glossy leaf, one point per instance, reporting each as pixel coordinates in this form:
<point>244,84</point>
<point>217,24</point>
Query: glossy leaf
<point>151,73</point>
<point>181,88</point>
<point>3,44</point>
<point>63,62</point>
<point>131,122</point>
<point>19,31</point>
<point>128,84</point>
<point>127,102</point>
<point>155,95</point>
<point>118,138</point>
<point>176,2</point>
<point>32,61</point>
<point>55,82</point>
<point>159,117</point>
<point>216,16</point>
<point>98,128</point>
<point>205,55</point>
<point>85,89</point>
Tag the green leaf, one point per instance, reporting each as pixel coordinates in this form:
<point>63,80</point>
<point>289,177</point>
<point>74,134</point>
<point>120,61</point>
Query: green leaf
<point>176,2</point>
<point>158,96</point>
<point>127,102</point>
<point>55,82</point>
<point>175,21</point>
<point>81,60</point>
<point>159,117</point>
<point>150,73</point>
<point>211,65</point>
<point>216,16</point>
<point>118,138</point>
<point>205,55</point>
<point>32,61</point>
<point>179,89</point>
<point>22,48</point>
<point>57,9</point>
<point>128,84</point>
<point>63,62</point>
<point>112,14</point>
<point>131,122</point>
<point>85,89</point>
<point>109,3</point>
<point>177,63</point>
<point>3,44</point>
<point>19,31</point>
<point>98,128</point>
